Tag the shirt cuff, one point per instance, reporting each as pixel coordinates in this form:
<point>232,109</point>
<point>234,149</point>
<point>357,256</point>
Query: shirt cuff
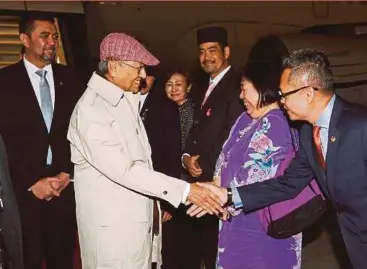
<point>186,193</point>
<point>182,159</point>
<point>237,202</point>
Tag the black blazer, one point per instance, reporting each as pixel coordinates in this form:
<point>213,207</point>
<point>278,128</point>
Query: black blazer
<point>213,122</point>
<point>24,131</point>
<point>10,221</point>
<point>162,123</point>
<point>344,182</point>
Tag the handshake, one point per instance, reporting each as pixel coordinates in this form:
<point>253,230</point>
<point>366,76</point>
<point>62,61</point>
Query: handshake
<point>207,198</point>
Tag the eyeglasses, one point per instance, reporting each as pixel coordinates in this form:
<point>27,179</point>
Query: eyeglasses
<point>137,68</point>
<point>284,95</point>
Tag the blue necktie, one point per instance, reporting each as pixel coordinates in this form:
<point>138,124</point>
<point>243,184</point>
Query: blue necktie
<point>46,106</point>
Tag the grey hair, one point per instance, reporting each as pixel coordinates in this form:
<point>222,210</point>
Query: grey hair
<point>314,64</point>
<point>102,68</point>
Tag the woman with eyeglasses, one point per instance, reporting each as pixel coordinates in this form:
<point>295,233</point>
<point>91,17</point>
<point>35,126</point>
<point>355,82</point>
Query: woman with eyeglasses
<point>176,231</point>
<point>260,146</point>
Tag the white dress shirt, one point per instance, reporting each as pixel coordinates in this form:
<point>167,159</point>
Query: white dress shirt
<point>324,122</point>
<point>142,98</point>
<point>36,79</point>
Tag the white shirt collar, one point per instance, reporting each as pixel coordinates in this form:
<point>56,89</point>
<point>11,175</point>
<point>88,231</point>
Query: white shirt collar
<point>105,89</point>
<point>32,69</point>
<point>219,76</point>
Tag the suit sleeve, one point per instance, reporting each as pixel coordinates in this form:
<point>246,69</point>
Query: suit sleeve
<point>295,179</point>
<point>170,142</point>
<point>11,226</point>
<point>102,148</point>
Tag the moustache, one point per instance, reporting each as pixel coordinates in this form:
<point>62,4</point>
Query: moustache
<point>208,62</point>
<point>50,48</point>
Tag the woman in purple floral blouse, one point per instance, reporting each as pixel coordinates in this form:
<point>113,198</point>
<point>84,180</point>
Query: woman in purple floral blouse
<point>258,144</point>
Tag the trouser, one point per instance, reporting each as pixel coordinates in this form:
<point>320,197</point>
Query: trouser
<point>188,242</point>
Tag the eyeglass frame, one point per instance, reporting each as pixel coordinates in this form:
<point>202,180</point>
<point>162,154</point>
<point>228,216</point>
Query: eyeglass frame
<point>137,68</point>
<point>284,95</point>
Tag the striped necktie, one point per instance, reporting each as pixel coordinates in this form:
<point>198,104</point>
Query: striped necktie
<point>317,141</point>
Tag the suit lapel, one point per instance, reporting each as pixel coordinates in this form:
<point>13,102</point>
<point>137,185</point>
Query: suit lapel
<point>58,84</point>
<point>28,93</point>
<point>215,94</point>
<point>333,142</point>
<point>144,110</point>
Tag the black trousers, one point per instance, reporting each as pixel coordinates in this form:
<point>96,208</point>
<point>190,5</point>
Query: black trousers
<point>188,242</point>
<point>49,230</point>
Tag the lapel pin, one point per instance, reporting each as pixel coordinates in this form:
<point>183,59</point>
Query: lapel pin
<point>332,139</point>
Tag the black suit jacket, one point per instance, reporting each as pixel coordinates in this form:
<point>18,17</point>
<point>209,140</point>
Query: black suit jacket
<point>23,129</point>
<point>10,221</point>
<point>162,123</point>
<point>345,179</point>
<point>213,122</point>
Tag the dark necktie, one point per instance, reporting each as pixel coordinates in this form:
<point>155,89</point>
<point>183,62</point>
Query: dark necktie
<point>317,141</point>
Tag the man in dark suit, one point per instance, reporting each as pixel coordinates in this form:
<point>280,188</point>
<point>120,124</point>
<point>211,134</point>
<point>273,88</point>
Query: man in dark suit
<point>37,98</point>
<point>162,123</point>
<point>218,108</point>
<point>333,148</point>
<point>11,233</point>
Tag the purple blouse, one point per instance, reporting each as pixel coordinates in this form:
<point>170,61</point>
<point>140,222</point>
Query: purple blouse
<point>254,152</point>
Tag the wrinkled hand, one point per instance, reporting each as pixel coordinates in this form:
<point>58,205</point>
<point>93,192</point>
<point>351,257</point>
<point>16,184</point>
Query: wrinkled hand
<point>205,198</point>
<point>44,189</point>
<point>63,183</point>
<point>192,165</point>
<point>220,193</point>
<point>166,216</point>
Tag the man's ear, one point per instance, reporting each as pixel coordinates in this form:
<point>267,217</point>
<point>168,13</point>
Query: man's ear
<point>227,52</point>
<point>112,68</point>
<point>24,38</point>
<point>310,93</point>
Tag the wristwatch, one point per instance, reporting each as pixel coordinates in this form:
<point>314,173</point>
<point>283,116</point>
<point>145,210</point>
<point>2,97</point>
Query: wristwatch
<point>229,197</point>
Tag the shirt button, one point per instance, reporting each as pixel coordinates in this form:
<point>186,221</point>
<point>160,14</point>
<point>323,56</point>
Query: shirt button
<point>194,142</point>
<point>165,192</point>
<point>196,121</point>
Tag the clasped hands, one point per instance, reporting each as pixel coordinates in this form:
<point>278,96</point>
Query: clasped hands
<point>207,198</point>
<point>49,187</point>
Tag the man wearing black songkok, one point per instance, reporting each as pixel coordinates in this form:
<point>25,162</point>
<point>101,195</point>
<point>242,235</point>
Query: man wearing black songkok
<point>218,106</point>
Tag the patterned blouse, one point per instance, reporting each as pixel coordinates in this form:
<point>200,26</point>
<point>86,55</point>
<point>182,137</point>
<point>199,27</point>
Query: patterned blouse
<point>186,111</point>
<point>255,151</point>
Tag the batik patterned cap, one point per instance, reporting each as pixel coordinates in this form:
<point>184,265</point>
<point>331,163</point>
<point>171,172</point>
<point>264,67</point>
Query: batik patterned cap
<point>122,47</point>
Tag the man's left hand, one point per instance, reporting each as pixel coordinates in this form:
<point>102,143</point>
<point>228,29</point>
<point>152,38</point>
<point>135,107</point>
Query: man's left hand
<point>65,180</point>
